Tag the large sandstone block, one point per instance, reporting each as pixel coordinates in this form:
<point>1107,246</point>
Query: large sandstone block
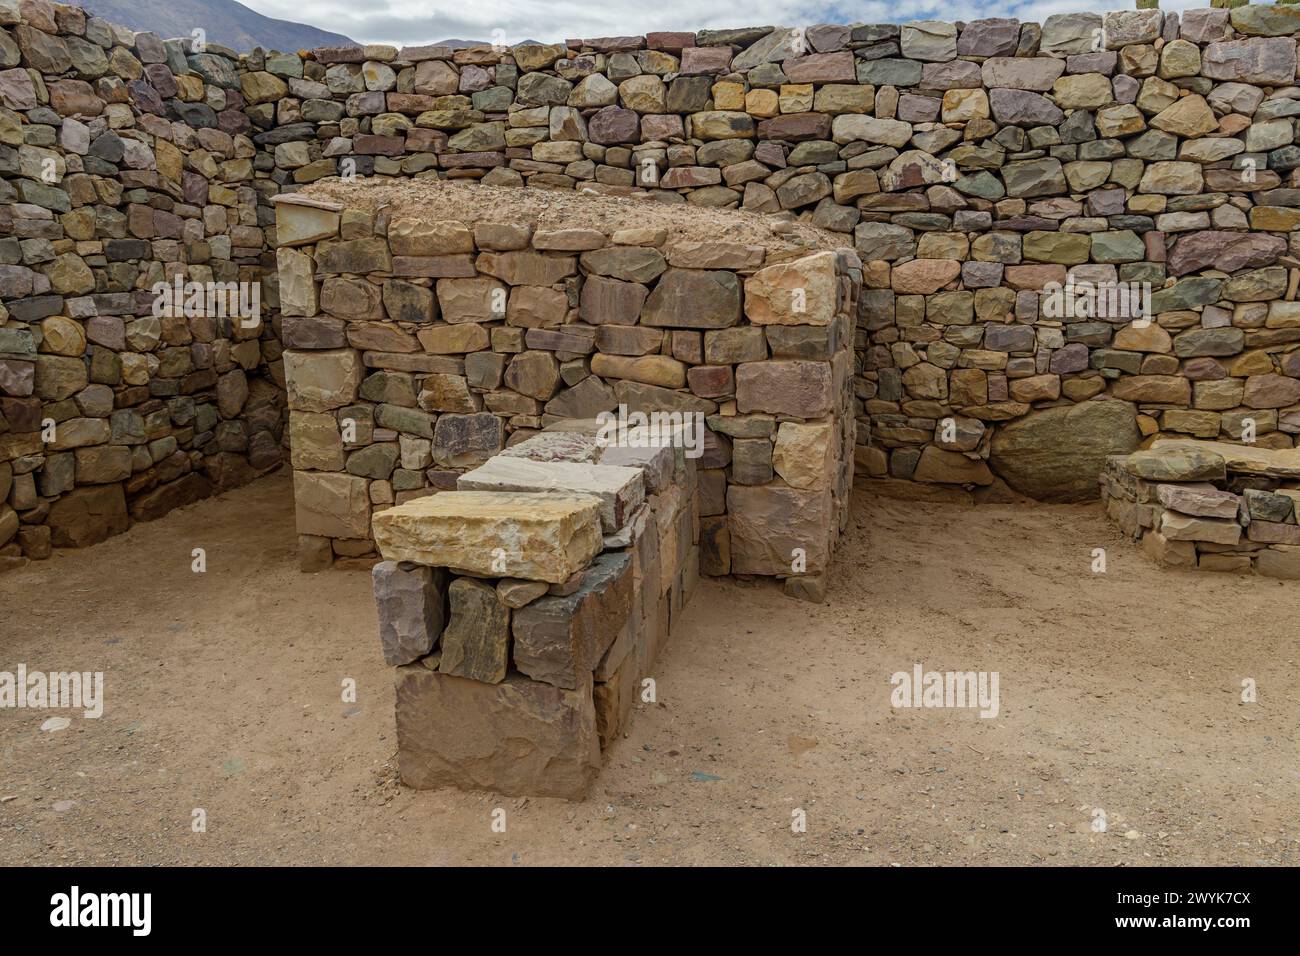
<point>694,299</point>
<point>1177,527</point>
<point>537,537</point>
<point>1280,561</point>
<point>1247,459</point>
<point>620,490</point>
<point>331,505</point>
<point>300,220</point>
<point>802,455</point>
<point>561,639</point>
<point>411,601</point>
<point>518,737</point>
<point>802,292</point>
<point>318,381</point>
<point>296,271</point>
<point>776,530</point>
<point>460,441</point>
<point>476,643</point>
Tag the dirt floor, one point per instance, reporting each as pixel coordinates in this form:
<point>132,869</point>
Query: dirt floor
<point>1119,691</point>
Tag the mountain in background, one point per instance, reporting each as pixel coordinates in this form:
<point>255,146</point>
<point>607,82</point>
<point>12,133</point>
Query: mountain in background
<point>224,21</point>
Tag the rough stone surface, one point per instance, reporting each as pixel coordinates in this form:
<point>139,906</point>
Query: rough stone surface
<point>518,737</point>
<point>1056,454</point>
<point>537,537</point>
<point>411,601</point>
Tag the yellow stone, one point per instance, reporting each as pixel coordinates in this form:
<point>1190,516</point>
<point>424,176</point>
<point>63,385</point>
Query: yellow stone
<point>536,537</point>
<point>62,336</point>
<point>1274,218</point>
<point>728,96</point>
<point>962,105</point>
<point>1252,459</point>
<point>802,454</point>
<point>762,103</point>
<point>802,292</point>
<point>796,97</point>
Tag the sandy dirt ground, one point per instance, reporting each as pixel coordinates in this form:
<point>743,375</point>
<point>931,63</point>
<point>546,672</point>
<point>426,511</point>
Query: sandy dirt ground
<point>1119,692</point>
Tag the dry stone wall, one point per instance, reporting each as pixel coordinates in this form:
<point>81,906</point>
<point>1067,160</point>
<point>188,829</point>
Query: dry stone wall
<point>523,610</point>
<point>971,165</point>
<point>977,166</point>
<point>429,326</point>
<point>1209,506</point>
<point>126,163</point>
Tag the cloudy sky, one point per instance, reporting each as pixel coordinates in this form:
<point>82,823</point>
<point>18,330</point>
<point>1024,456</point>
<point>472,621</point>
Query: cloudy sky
<point>421,21</point>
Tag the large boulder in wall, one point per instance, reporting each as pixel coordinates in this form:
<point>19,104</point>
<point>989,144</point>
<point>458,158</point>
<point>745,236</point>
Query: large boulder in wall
<point>1057,453</point>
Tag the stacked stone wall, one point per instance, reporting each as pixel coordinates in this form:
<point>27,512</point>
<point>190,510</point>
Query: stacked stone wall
<point>971,165</point>
<point>418,345</point>
<point>1209,506</point>
<point>126,163</point>
<point>524,611</point>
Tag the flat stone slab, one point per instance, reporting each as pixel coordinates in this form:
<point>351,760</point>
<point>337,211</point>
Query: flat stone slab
<point>1202,501</point>
<point>517,737</point>
<point>1176,527</point>
<point>656,463</point>
<point>556,446</point>
<point>1177,464</point>
<point>536,537</point>
<point>619,489</point>
<point>1248,459</point>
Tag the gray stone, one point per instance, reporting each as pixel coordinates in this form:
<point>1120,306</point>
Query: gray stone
<point>412,612</point>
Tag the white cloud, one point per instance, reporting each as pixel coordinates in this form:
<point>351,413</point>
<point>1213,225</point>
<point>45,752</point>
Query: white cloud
<point>417,21</point>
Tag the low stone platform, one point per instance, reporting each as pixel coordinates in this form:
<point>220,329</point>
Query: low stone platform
<point>1210,506</point>
<point>521,629</point>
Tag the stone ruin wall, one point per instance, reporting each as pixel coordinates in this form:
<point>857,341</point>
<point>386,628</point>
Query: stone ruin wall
<point>428,327</point>
<point>523,611</point>
<point>969,164</point>
<point>125,163</point>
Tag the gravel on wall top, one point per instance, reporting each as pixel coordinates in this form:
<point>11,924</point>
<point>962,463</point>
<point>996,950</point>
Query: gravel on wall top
<point>558,209</point>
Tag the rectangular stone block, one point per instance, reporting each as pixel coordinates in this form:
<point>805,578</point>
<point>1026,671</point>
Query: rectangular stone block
<point>300,220</point>
<point>560,640</point>
<point>518,737</point>
<point>537,537</point>
<point>1176,527</point>
<point>1273,532</point>
<point>331,505</point>
<point>656,462</point>
<point>476,643</point>
<point>777,530</point>
<point>411,601</point>
<point>795,388</point>
<point>1279,561</point>
<point>321,380</point>
<point>620,490</point>
<point>1203,501</point>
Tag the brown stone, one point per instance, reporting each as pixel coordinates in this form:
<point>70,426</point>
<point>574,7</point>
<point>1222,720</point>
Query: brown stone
<point>518,737</point>
<point>795,388</point>
<point>88,516</point>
